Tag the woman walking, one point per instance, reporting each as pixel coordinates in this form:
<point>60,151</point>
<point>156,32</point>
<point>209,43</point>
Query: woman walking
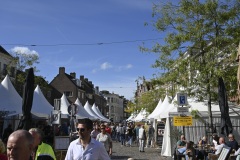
<point>105,139</point>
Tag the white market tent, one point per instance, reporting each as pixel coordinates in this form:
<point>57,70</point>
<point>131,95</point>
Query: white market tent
<point>164,106</point>
<point>40,106</point>
<point>88,108</point>
<point>155,111</point>
<point>82,112</point>
<point>12,101</point>
<point>98,113</point>
<point>132,117</point>
<point>64,106</point>
<point>193,133</point>
<point>142,115</point>
<point>9,98</point>
<point>172,107</point>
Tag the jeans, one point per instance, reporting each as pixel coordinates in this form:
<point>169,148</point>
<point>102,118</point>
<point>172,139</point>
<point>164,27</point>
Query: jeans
<point>141,144</point>
<point>122,138</point>
<point>130,138</point>
<point>118,137</point>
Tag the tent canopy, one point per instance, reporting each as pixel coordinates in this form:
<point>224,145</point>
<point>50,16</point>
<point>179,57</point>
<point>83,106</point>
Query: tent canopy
<point>82,113</point>
<point>155,111</point>
<point>9,98</point>
<point>98,113</point>
<point>142,115</point>
<point>88,108</point>
<point>40,104</point>
<point>64,105</point>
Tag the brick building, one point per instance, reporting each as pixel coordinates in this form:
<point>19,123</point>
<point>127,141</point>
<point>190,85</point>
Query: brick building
<point>75,88</point>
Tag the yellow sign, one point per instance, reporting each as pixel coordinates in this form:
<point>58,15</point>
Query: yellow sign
<point>182,121</point>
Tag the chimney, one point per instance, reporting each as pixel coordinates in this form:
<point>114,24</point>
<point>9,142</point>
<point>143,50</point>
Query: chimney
<point>82,77</point>
<point>86,79</point>
<point>97,89</point>
<point>61,70</point>
<point>73,74</point>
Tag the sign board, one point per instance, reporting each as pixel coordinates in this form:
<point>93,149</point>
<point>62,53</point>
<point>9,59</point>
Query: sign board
<point>55,117</point>
<point>182,109</point>
<point>182,99</point>
<point>182,121</point>
<point>160,132</point>
<point>61,142</point>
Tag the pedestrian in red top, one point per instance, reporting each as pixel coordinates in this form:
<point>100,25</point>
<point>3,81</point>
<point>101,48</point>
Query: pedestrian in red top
<point>108,129</point>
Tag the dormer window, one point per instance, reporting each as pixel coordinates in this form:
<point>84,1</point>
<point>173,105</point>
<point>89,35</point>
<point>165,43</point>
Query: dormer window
<point>68,93</point>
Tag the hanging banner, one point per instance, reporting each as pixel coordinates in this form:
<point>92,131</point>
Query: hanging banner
<point>182,121</point>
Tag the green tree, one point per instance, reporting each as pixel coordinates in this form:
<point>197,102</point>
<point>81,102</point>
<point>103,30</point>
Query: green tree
<point>25,58</point>
<point>201,39</point>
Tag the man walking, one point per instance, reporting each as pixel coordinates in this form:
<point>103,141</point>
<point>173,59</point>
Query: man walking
<point>150,136</point>
<point>142,138</point>
<point>86,147</point>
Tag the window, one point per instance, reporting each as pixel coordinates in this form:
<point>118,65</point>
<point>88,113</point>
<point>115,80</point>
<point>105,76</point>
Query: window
<point>68,93</point>
<point>49,94</point>
<point>12,72</point>
<point>82,95</point>
<point>4,69</point>
<point>57,103</point>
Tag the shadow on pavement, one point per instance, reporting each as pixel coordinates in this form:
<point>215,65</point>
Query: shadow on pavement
<point>119,157</point>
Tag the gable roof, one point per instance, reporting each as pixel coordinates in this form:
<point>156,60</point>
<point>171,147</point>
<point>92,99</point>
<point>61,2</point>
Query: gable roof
<point>2,50</point>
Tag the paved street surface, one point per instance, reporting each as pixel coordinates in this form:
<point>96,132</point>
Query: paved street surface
<point>123,153</point>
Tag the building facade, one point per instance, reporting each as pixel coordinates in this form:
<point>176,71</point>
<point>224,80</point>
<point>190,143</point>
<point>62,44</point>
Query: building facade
<point>74,88</point>
<point>115,106</point>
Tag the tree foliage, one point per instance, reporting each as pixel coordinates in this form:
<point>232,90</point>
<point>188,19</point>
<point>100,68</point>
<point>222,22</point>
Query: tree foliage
<point>24,58</point>
<point>200,45</point>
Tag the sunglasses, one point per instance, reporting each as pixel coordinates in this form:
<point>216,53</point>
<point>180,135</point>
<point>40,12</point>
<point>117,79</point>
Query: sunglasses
<point>80,129</point>
<point>102,128</point>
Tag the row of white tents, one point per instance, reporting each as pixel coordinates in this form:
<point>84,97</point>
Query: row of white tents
<point>167,109</point>
<point>11,101</point>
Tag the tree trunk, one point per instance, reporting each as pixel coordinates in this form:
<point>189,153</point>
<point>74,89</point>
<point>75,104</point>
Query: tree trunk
<point>210,119</point>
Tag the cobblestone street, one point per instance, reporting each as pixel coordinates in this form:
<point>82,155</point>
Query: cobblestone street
<point>123,153</point>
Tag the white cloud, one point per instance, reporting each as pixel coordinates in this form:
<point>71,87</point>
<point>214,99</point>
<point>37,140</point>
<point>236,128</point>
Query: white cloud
<point>24,51</point>
<point>105,66</point>
<point>128,66</point>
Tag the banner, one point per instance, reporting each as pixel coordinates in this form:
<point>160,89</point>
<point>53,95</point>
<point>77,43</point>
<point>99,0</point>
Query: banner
<point>182,121</point>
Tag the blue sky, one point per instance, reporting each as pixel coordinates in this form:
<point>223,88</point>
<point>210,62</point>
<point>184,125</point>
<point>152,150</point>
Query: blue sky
<point>90,28</point>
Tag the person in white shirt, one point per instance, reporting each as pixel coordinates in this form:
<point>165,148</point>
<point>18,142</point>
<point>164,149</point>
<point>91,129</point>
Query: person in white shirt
<point>142,138</point>
<point>86,147</point>
<point>217,149</point>
<point>105,139</point>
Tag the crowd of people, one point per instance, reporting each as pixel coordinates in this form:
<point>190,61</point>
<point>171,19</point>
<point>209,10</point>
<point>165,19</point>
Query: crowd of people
<point>91,140</point>
<point>130,134</point>
<point>205,149</point>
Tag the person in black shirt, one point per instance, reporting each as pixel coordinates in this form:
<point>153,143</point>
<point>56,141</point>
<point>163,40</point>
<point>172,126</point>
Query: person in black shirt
<point>7,132</point>
<point>232,142</point>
